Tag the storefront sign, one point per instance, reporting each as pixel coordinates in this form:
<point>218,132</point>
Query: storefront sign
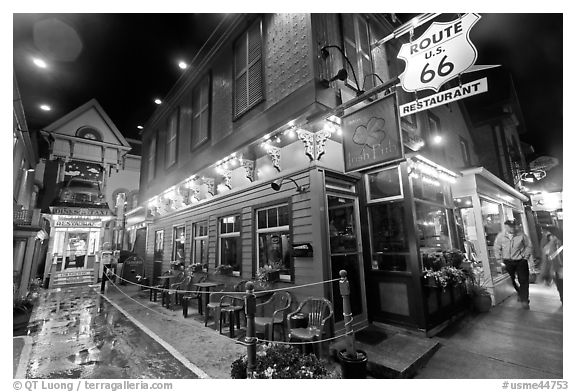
<point>544,163</point>
<point>371,135</point>
<point>78,223</point>
<point>442,53</point>
<point>454,94</point>
<point>80,211</point>
<point>302,250</point>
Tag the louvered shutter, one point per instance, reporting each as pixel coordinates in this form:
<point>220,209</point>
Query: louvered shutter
<point>248,70</point>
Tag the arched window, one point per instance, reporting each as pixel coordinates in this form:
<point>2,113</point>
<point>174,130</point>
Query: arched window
<point>88,132</point>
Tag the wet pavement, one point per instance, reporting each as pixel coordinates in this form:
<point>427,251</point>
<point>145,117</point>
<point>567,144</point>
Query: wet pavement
<point>76,333</point>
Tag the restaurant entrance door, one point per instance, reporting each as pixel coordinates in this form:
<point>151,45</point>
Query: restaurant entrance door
<point>345,251</point>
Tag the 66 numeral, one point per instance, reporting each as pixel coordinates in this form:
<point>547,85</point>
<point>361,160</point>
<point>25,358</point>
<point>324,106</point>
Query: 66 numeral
<point>444,69</point>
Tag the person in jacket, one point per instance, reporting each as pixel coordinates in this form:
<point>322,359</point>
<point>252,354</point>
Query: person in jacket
<point>553,263</point>
<point>513,250</point>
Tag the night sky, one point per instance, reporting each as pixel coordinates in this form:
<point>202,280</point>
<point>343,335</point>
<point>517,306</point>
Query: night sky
<point>126,60</point>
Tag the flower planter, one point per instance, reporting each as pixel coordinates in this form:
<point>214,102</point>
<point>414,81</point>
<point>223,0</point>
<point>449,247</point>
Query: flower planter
<point>482,303</point>
<point>353,368</point>
<point>273,276</point>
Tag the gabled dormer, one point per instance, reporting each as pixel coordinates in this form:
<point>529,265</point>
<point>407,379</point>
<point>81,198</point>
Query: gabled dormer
<point>87,134</point>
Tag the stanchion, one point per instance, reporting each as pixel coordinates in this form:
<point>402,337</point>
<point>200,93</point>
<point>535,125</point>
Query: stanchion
<point>352,361</point>
<point>250,339</point>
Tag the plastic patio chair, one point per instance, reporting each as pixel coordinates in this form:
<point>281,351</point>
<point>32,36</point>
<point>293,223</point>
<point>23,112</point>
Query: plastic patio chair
<point>272,313</point>
<point>319,312</point>
<point>192,293</point>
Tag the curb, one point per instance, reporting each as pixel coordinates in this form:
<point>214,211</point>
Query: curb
<point>193,368</point>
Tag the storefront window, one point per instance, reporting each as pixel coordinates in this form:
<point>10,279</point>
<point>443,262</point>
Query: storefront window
<point>229,238</point>
<point>384,184</point>
<point>428,188</point>
<point>273,233</point>
<point>492,221</point>
<point>388,237</point>
<point>466,227</point>
<point>432,228</point>
<point>200,243</point>
<point>159,245</point>
<point>179,240</point>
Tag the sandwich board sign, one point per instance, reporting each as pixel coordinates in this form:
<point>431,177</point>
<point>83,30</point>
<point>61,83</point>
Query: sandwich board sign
<point>439,55</point>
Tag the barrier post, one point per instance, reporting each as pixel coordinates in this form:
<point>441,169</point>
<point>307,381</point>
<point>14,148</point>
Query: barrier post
<point>104,278</point>
<point>250,339</point>
<point>347,312</point>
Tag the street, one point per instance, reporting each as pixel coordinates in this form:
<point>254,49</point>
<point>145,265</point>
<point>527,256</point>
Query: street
<point>78,334</point>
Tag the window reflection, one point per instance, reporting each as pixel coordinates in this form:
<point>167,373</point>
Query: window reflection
<point>388,236</point>
<point>432,228</point>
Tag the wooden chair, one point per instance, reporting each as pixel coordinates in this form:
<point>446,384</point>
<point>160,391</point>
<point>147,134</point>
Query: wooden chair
<point>235,307</point>
<point>319,311</point>
<point>273,313</point>
<point>193,293</point>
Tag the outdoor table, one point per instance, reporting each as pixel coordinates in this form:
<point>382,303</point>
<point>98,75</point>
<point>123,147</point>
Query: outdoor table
<point>204,298</point>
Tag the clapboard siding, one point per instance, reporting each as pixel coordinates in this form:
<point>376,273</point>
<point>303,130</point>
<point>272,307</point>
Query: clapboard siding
<point>306,270</point>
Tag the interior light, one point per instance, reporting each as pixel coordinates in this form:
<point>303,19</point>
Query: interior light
<point>140,127</point>
<point>46,108</point>
<point>39,63</point>
<point>182,65</point>
<point>437,139</point>
<point>157,101</point>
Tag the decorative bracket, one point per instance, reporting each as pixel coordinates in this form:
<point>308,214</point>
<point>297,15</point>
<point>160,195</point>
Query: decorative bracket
<point>227,174</point>
<point>308,139</point>
<point>274,154</point>
<point>210,183</point>
<point>320,142</point>
<point>249,167</point>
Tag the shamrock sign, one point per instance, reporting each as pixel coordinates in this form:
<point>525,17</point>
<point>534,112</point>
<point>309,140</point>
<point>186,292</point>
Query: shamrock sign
<point>370,135</point>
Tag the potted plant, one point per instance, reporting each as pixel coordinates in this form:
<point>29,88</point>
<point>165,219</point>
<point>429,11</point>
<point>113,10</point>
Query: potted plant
<point>281,361</point>
<point>224,269</point>
<point>477,289</point>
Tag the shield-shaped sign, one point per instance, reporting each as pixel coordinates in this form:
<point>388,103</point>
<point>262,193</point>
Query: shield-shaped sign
<point>440,54</point>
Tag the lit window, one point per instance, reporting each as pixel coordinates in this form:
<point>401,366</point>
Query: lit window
<point>159,245</point>
<point>178,243</point>
<point>200,243</point>
<point>229,242</point>
<point>274,243</point>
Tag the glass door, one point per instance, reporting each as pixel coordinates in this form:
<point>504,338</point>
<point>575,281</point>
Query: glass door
<point>345,253</point>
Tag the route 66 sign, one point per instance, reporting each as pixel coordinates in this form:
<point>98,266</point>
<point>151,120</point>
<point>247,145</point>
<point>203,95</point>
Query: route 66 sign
<point>440,54</point>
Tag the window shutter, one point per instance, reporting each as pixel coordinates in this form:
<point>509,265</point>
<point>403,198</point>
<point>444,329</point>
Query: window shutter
<point>248,70</point>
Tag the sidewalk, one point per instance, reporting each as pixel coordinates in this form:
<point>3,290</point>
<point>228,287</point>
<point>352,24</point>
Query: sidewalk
<point>507,342</point>
<point>203,346</point>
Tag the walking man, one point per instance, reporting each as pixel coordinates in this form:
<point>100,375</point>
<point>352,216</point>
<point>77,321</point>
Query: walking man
<point>513,249</point>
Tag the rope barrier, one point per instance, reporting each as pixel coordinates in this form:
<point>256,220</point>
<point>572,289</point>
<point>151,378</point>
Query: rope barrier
<point>221,292</point>
<point>258,340</point>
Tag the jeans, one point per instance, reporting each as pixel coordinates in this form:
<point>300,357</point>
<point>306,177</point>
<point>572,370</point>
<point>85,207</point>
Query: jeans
<point>559,285</point>
<point>520,268</point>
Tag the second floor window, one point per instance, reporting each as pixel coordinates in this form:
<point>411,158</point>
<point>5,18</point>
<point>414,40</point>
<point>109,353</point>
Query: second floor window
<point>171,139</point>
<point>357,48</point>
<point>152,158</point>
<point>200,113</point>
<point>248,77</point>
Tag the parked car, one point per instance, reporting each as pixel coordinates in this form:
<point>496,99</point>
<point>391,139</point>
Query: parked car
<point>82,191</point>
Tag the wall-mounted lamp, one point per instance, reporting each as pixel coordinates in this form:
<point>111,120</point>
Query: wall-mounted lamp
<point>342,74</point>
<point>277,184</point>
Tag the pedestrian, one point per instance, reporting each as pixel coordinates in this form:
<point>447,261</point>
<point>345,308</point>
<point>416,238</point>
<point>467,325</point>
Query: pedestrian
<point>553,263</point>
<point>513,250</point>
